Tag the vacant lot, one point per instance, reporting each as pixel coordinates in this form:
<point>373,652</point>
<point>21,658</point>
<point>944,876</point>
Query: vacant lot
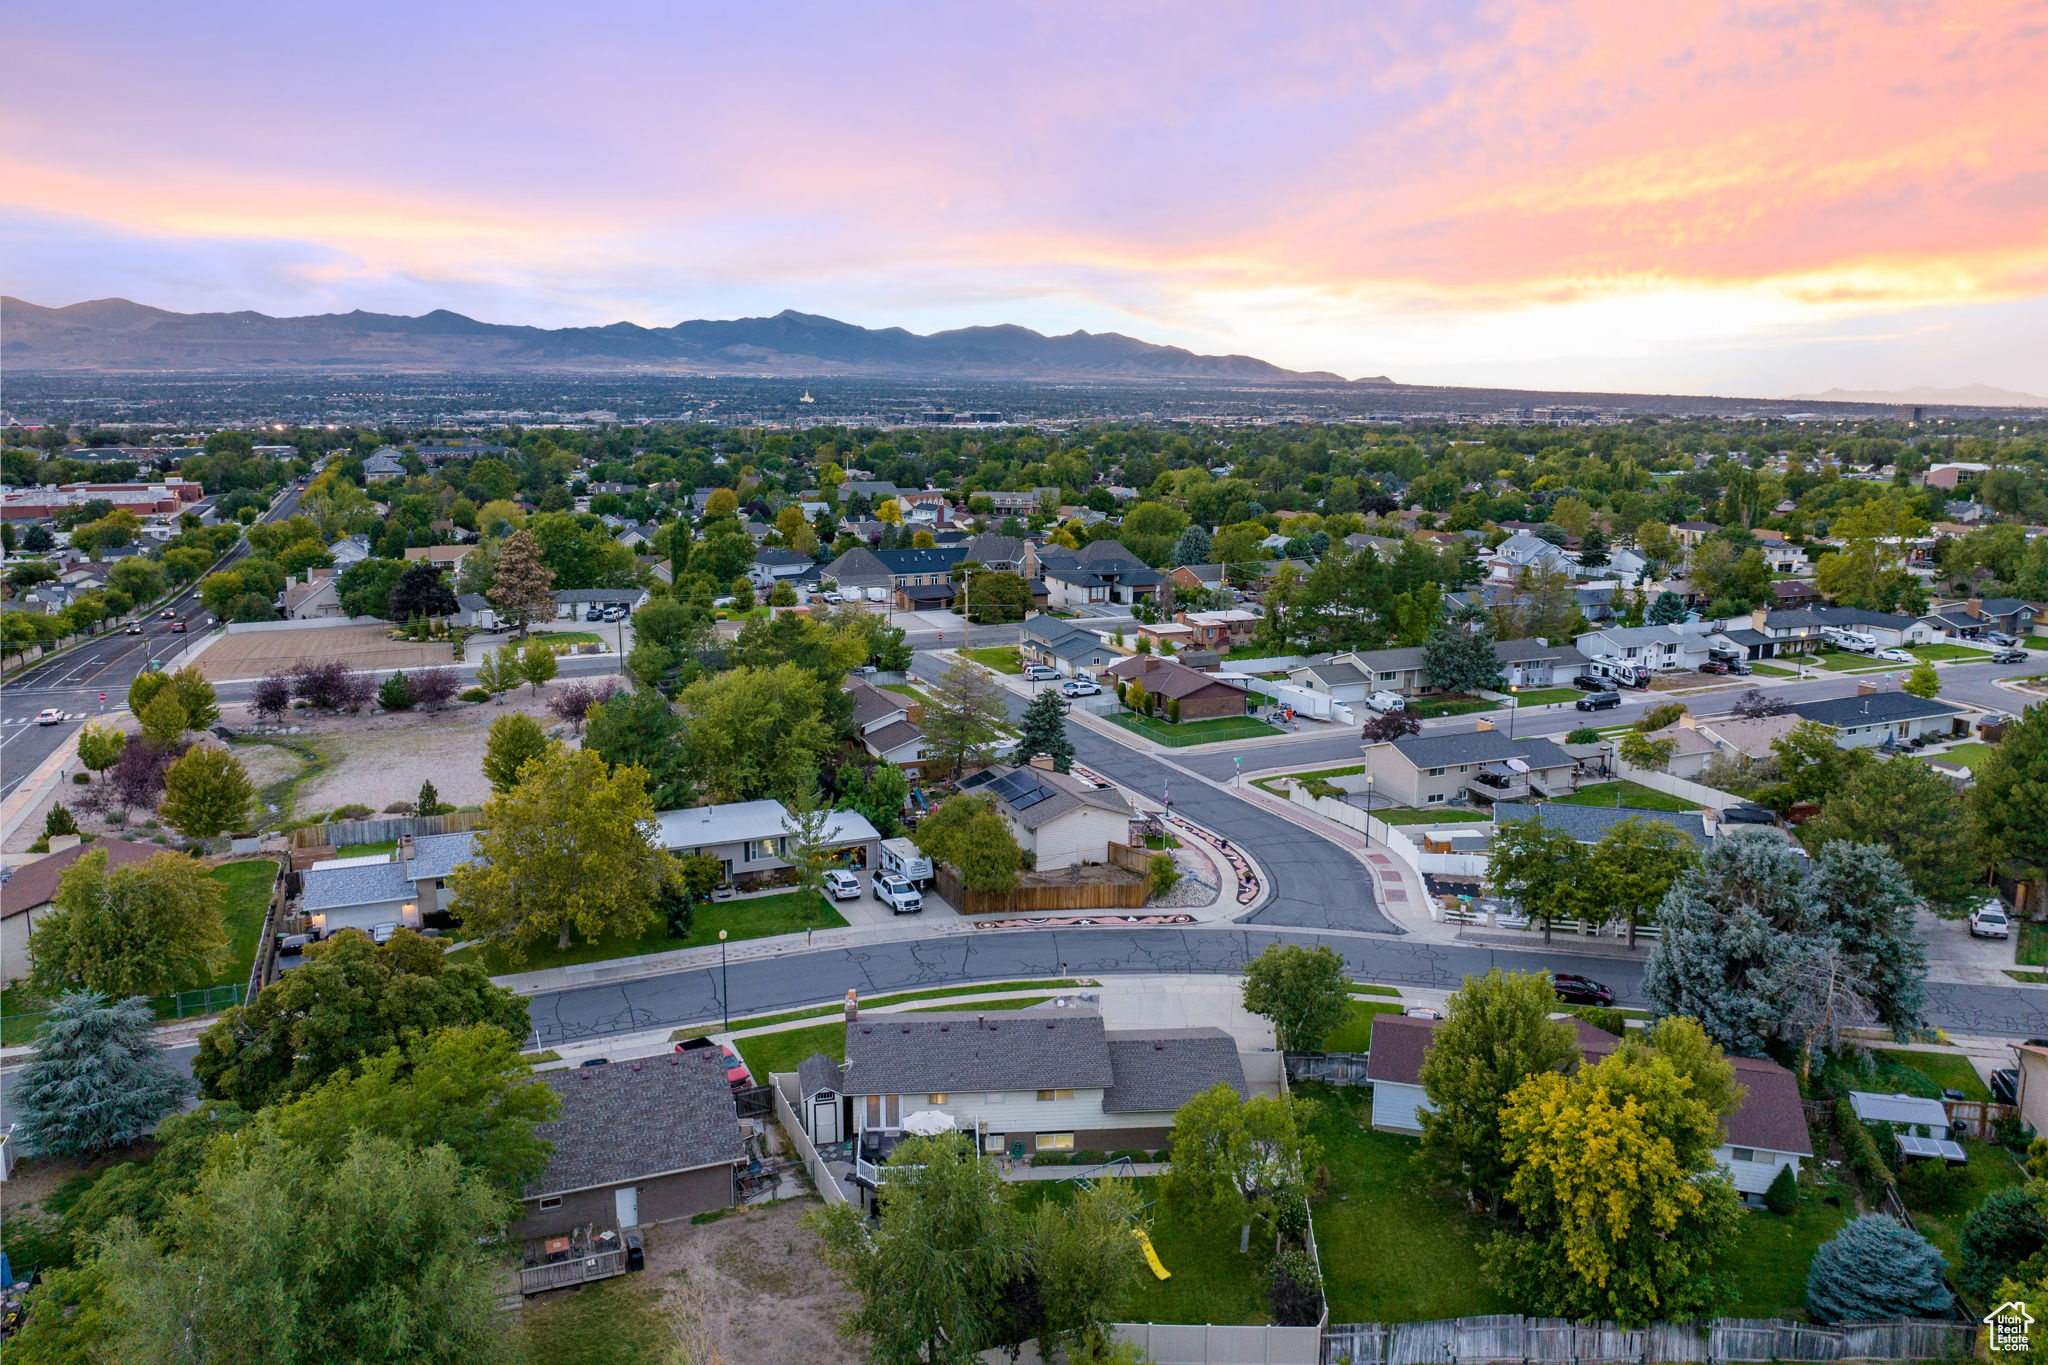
<point>257,652</point>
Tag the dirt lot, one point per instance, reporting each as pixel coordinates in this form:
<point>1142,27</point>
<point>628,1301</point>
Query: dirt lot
<point>257,652</point>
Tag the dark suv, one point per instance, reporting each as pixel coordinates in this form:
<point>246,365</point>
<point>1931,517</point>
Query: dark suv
<point>1586,682</point>
<point>1599,701</point>
<point>1580,990</point>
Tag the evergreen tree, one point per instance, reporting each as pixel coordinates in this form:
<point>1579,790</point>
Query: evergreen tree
<point>1667,610</point>
<point>1192,547</point>
<point>2003,1233</point>
<point>1731,933</point>
<point>395,693</point>
<point>1873,1269</point>
<point>429,801</point>
<point>1458,660</point>
<point>1861,898</point>
<point>1043,730</point>
<point>97,1081</point>
<point>2011,797</point>
<point>1903,805</point>
<point>641,728</point>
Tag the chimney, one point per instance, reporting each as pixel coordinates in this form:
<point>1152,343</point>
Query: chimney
<point>852,1006</point>
<point>1042,762</point>
<point>1688,721</point>
<point>1486,725</point>
<point>405,848</point>
<point>1865,688</point>
<point>1757,617</point>
<point>1976,606</point>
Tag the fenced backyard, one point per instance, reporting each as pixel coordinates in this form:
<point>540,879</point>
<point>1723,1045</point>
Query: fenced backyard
<point>1511,1337</point>
<point>1078,895</point>
<point>345,833</point>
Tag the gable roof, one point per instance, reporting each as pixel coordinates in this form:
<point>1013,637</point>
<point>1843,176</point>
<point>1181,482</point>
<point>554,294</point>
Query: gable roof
<point>1479,746</point>
<point>633,1120</point>
<point>436,856</point>
<point>1050,794</point>
<point>1158,1072</point>
<point>871,703</point>
<point>34,883</point>
<point>1168,677</point>
<point>338,888</point>
<point>894,1054</point>
<point>817,1074</point>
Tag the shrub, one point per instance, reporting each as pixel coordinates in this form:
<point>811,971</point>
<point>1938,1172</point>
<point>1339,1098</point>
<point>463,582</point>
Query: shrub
<point>1321,786</point>
<point>81,778</point>
<point>1783,1195</point>
<point>1164,873</point>
<point>1585,734</point>
<point>399,808</point>
<point>475,694</point>
<point>1599,1016</point>
<point>1048,1158</point>
<point>395,693</point>
<point>350,813</point>
<point>1864,1157</point>
<point>1876,1268</point>
<point>1296,1290</point>
<point>1164,1154</point>
<point>1934,1186</point>
<point>1128,1154</point>
<point>2004,1231</point>
<point>1084,1157</point>
<point>1173,709</point>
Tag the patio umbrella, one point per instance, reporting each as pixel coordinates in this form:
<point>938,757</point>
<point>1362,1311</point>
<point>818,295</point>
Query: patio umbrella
<point>927,1122</point>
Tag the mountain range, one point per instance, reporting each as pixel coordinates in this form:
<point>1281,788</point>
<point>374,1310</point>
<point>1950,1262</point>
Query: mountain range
<point>1968,396</point>
<point>117,335</point>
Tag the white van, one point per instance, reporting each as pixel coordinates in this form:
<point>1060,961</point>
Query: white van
<point>902,858</point>
<point>1384,702</point>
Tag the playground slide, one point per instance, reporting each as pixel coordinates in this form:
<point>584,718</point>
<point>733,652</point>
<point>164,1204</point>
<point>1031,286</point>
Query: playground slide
<point>1151,1256</point>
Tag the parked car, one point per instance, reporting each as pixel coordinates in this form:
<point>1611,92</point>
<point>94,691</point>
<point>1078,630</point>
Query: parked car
<point>1599,701</point>
<point>2000,638</point>
<point>1040,672</point>
<point>736,1074</point>
<point>834,598</point>
<point>49,715</point>
<point>1386,702</point>
<point>842,885</point>
<point>1580,990</point>
<point>381,933</point>
<point>1897,656</point>
<point>1081,687</point>
<point>1586,682</point>
<point>1422,1012</point>
<point>896,893</point>
<point>614,613</point>
<point>1989,921</point>
<point>2005,1085</point>
<point>593,614</point>
<point>291,945</point>
<point>2009,656</point>
<point>1716,666</point>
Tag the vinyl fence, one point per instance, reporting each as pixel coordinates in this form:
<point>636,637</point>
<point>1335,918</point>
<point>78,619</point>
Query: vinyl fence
<point>1511,1337</point>
<point>1175,1343</point>
<point>782,1089</point>
<point>391,827</point>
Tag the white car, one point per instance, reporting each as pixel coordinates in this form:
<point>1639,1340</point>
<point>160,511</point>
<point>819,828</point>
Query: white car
<point>381,933</point>
<point>1989,921</point>
<point>49,715</point>
<point>1384,702</point>
<point>834,598</point>
<point>1081,687</point>
<point>842,885</point>
<point>1896,656</point>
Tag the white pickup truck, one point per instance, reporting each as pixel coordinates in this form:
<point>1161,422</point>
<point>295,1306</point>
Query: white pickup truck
<point>899,895</point>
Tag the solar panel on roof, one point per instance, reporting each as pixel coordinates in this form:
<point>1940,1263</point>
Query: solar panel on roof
<point>1009,785</point>
<point>1026,800</point>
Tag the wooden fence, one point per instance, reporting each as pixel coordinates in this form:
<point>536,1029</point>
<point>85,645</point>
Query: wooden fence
<point>382,831</point>
<point>1072,896</point>
<point>1138,860</point>
<point>1510,1337</point>
<point>261,970</point>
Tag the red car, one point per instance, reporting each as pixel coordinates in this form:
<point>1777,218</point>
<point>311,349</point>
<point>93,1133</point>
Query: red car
<point>736,1074</point>
<point>177,627</point>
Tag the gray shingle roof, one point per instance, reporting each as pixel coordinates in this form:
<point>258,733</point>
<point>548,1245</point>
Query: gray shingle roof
<point>1878,708</point>
<point>1158,1072</point>
<point>1020,1050</point>
<point>337,887</point>
<point>816,1073</point>
<point>435,856</point>
<point>1067,793</point>
<point>892,737</point>
<point>1588,823</point>
<point>632,1120</point>
<point>1479,746</point>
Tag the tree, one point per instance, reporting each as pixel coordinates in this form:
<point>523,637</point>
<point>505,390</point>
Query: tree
<point>809,846</point>
<point>1668,609</point>
<point>148,928</point>
<point>1923,681</point>
<point>421,590</point>
<point>195,696</point>
<point>640,728</point>
<point>1876,1268</point>
<point>1303,991</point>
<point>1541,868</point>
<point>163,720</point>
<point>434,688</point>
<point>755,732</point>
<point>2010,797</point>
<point>1756,703</point>
<point>1631,868</point>
<point>352,999</point>
<point>206,794</point>
<point>137,778</point>
<point>963,720</point>
<point>928,1278</point>
<point>1458,660</point>
<point>1624,1215</point>
<point>1241,1159</point>
<point>994,598</point>
<point>429,802</point>
<point>1812,763</point>
<point>967,834</point>
<point>573,703</point>
<point>97,1081</point>
<point>395,693</point>
<point>1384,727</point>
<point>510,742</point>
<point>2003,1233</point>
<point>1043,730</point>
<point>537,663</point>
<point>522,586</point>
<point>1497,1031</point>
<point>1782,1195</point>
<point>570,848</point>
<point>1732,929</point>
<point>1084,1265</point>
<point>498,671</point>
<point>1638,750</point>
<point>384,1254</point>
<point>99,746</point>
<point>1903,805</point>
<point>878,793</point>
<point>271,697</point>
<point>1860,898</point>
<point>1192,547</point>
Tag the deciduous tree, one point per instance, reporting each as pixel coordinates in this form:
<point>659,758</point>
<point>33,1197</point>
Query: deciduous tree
<point>755,732</point>
<point>1302,990</point>
<point>148,928</point>
<point>99,746</point>
<point>522,587</point>
<point>163,720</point>
<point>2010,797</point>
<point>537,664</point>
<point>510,742</point>
<point>967,834</point>
<point>1903,805</point>
<point>421,590</point>
<point>1241,1159</point>
<point>97,1081</point>
<point>1631,868</point>
<point>640,728</point>
<point>206,793</point>
<point>1541,868</point>
<point>963,721</point>
<point>1923,681</point>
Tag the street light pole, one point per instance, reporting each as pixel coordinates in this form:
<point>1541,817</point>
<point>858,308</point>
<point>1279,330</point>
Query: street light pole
<point>724,982</point>
<point>1514,705</point>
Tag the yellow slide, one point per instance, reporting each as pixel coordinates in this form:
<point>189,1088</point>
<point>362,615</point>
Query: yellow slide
<point>1151,1256</point>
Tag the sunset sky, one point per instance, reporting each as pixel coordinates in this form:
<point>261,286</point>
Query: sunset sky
<point>1604,194</point>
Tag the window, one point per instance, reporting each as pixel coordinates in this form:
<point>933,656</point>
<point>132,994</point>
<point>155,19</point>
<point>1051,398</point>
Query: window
<point>554,1202</point>
<point>1056,1095</point>
<point>1386,677</point>
<point>758,850</point>
<point>1055,1142</point>
<point>1436,798</point>
<point>1742,1153</point>
<point>993,1144</point>
<point>1436,772</point>
<point>939,1098</point>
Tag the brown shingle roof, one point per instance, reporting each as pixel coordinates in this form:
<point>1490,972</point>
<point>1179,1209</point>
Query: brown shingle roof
<point>632,1120</point>
<point>1168,678</point>
<point>33,884</point>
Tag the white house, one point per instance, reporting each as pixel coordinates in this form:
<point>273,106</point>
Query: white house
<point>1659,648</point>
<point>749,838</point>
<point>1870,719</point>
<point>1058,818</point>
<point>401,887</point>
<point>1767,1131</point>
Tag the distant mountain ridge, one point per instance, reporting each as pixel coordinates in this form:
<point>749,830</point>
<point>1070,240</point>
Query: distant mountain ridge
<point>119,335</point>
<point>1968,396</point>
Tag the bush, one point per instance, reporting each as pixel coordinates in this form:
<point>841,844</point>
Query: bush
<point>1599,1016</point>
<point>1128,1154</point>
<point>1864,1157</point>
<point>475,694</point>
<point>81,778</point>
<point>1296,1291</point>
<point>2004,1231</point>
<point>1585,734</point>
<point>350,813</point>
<point>1164,1154</point>
<point>1783,1195</point>
<point>1164,873</point>
<point>1322,787</point>
<point>1873,1269</point>
<point>399,808</point>
<point>1084,1157</point>
<point>1048,1158</point>
<point>1934,1186</point>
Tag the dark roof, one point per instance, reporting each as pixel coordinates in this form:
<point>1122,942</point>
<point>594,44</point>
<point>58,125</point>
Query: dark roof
<point>871,703</point>
<point>776,554</point>
<point>1874,708</point>
<point>1588,823</point>
<point>929,592</point>
<point>1479,746</point>
<point>1035,797</point>
<point>34,883</point>
<point>892,1054</point>
<point>1099,552</point>
<point>633,1120</point>
<point>891,737</point>
<point>919,561</point>
<point>817,1073</point>
<point>1158,1072</point>
<point>995,549</point>
<point>1169,677</point>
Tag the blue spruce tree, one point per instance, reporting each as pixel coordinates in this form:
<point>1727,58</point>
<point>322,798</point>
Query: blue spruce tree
<point>98,1079</point>
<point>1876,1268</point>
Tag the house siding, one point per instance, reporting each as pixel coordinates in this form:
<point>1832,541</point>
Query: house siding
<point>1397,1108</point>
<point>1079,836</point>
<point>663,1199</point>
<point>1020,1116</point>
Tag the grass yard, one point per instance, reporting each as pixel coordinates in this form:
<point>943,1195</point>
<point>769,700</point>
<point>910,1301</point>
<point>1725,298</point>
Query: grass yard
<point>1758,666</point>
<point>614,1322</point>
<point>1970,755</point>
<point>2030,978</point>
<point>1189,732</point>
<point>1842,661</point>
<point>247,896</point>
<point>1768,1260</point>
<point>1450,706</point>
<point>1547,696</point>
<point>1015,1002</point>
<point>1938,1070</point>
<point>820,1011</point>
<point>559,640</point>
<point>1629,794</point>
<point>767,1053</point>
<point>1988,1168</point>
<point>1366,988</point>
<point>1393,1248</point>
<point>1002,660</point>
<point>1947,653</point>
<point>1210,1282</point>
<point>1355,1033</point>
<point>2032,950</point>
<point>790,912</point>
<point>906,690</point>
<point>1404,815</point>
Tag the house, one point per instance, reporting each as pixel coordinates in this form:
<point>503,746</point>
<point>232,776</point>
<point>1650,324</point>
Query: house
<point>1061,820</point>
<point>1004,554</point>
<point>1690,533</point>
<point>1523,551</point>
<point>1020,502</point>
<point>1794,593</point>
<point>319,595</point>
<point>886,725</point>
<point>350,550</point>
<point>359,893</point>
<point>1386,547</point>
<point>1219,630</point>
<point>749,839</point>
<point>1201,697</point>
<point>33,885</point>
<point>1767,1130</point>
<point>1537,663</point>
<point>575,603</point>
<point>1661,648</point>
<point>1447,769</point>
<point>891,570</point>
<point>1872,719</point>
<point>636,1144</point>
<point>1738,737</point>
<point>1047,1078</point>
<point>1588,823</point>
<point>475,611</point>
<point>384,465</point>
<point>2032,1099</point>
<point>1978,615</point>
<point>1356,674</point>
<point>772,564</point>
<point>1101,571</point>
<point>446,558</point>
<point>1064,646</point>
<point>1780,554</point>
<point>1690,750</point>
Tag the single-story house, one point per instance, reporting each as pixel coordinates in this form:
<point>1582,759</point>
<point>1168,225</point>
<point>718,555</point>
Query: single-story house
<point>474,610</point>
<point>1048,1078</point>
<point>401,887</point>
<point>445,557</point>
<point>1588,823</point>
<point>318,596</point>
<point>773,563</point>
<point>1200,695</point>
<point>1745,737</point>
<point>749,838</point>
<point>1064,646</point>
<point>1766,1131</point>
<point>1058,818</point>
<point>573,603</point>
<point>33,885</point>
<point>1447,769</point>
<point>1876,718</point>
<point>636,1143</point>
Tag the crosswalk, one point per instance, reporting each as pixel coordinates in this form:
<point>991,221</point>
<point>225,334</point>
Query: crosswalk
<point>31,720</point>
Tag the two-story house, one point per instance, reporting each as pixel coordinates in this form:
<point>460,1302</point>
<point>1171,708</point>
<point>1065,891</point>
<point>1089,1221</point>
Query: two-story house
<point>1064,646</point>
<point>1485,765</point>
<point>1658,648</point>
<point>1218,630</point>
<point>886,725</point>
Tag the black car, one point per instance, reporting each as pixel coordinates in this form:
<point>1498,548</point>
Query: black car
<point>2005,1085</point>
<point>1580,990</point>
<point>1599,701</point>
<point>2009,656</point>
<point>1586,682</point>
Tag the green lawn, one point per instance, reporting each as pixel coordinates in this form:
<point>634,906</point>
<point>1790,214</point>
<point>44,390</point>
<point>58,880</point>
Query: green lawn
<point>1630,794</point>
<point>1971,755</point>
<point>1394,1249</point>
<point>616,1322</point>
<point>1209,1281</point>
<point>1988,1168</point>
<point>2033,945</point>
<point>559,640</point>
<point>1405,815</point>
<point>1772,670</point>
<point>247,886</point>
<point>767,1053</point>
<point>1193,731</point>
<point>1432,710</point>
<point>1942,653</point>
<point>820,1011</point>
<point>1002,660</point>
<point>1842,661</point>
<point>1768,1260</point>
<point>905,689</point>
<point>1545,696</point>
<point>1939,1070</point>
<point>791,912</point>
<point>1365,988</point>
<point>1355,1034</point>
<point>1015,1002</point>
